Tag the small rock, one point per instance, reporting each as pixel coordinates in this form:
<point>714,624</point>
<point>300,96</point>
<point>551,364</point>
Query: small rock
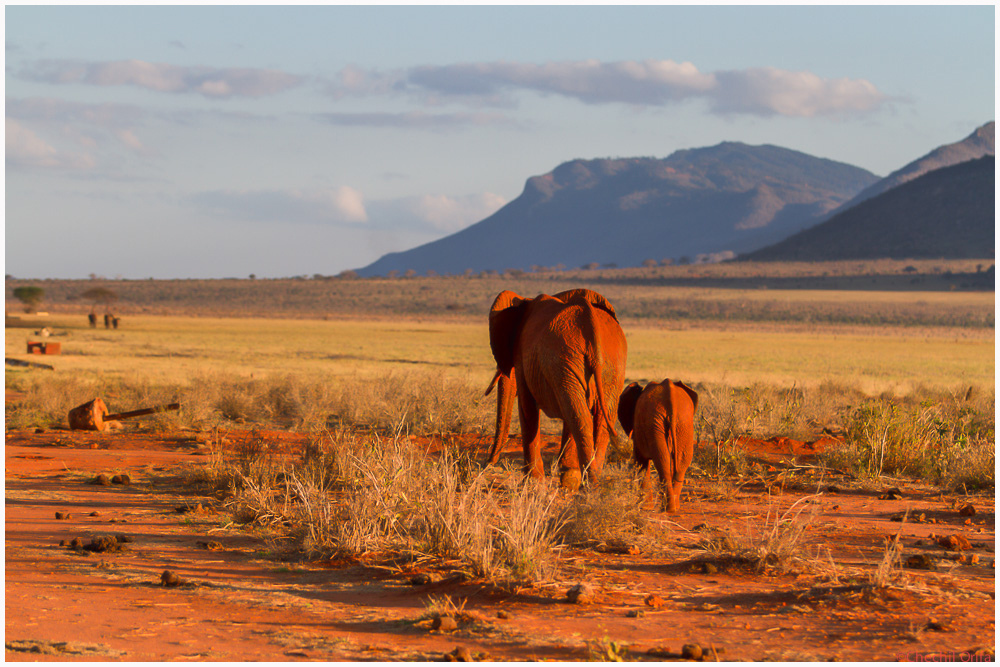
<point>210,545</point>
<point>635,613</point>
<point>709,568</point>
<point>101,480</point>
<point>123,539</point>
<point>461,654</point>
<point>123,480</point>
<point>62,543</point>
<point>832,489</point>
<point>103,543</point>
<point>444,623</point>
<point>63,515</point>
<point>659,652</point>
<point>967,510</point>
<point>76,544</point>
<point>95,514</point>
<point>921,562</point>
<point>580,594</point>
<point>39,430</point>
<point>958,542</point>
<point>654,601</point>
<point>170,579</point>
<point>891,494</point>
<point>421,579</point>
<point>503,614</point>
<point>935,626</point>
<point>691,652</point>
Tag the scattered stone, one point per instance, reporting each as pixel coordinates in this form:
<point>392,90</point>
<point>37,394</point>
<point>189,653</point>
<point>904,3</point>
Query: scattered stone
<point>635,613</point>
<point>460,654</point>
<point>921,562</point>
<point>891,494</point>
<point>444,623</point>
<point>421,579</point>
<point>709,568</point>
<point>76,544</point>
<point>958,542</point>
<point>691,652</point>
<point>654,601</point>
<point>581,594</point>
<point>503,614</point>
<point>967,510</point>
<point>210,545</point>
<point>659,652</point>
<point>101,480</point>
<point>63,515</point>
<point>95,514</point>
<point>123,539</point>
<point>39,430</point>
<point>170,579</point>
<point>62,543</point>
<point>123,480</point>
<point>832,489</point>
<point>933,625</point>
<point>185,509</point>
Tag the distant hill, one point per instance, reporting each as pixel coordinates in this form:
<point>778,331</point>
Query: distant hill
<point>948,212</point>
<point>728,198</point>
<point>976,145</point>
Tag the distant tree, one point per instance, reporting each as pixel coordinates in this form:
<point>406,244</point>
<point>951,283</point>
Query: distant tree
<point>410,273</point>
<point>514,273</point>
<point>393,274</point>
<point>559,267</point>
<point>253,276</point>
<point>591,267</point>
<point>468,273</point>
<point>431,273</point>
<point>649,263</point>
<point>684,260</point>
<point>667,261</point>
<point>348,274</point>
<point>98,295</point>
<point>30,296</point>
<point>611,265</point>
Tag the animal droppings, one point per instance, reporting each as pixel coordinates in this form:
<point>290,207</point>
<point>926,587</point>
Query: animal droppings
<point>444,623</point>
<point>123,480</point>
<point>63,515</point>
<point>691,652</point>
<point>101,480</point>
<point>967,510</point>
<point>580,594</point>
<point>421,579</point>
<point>170,579</point>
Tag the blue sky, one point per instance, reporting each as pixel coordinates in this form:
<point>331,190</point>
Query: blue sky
<point>207,142</point>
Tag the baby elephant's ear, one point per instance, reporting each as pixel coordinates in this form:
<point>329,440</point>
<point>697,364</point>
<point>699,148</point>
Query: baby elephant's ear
<point>691,392</point>
<point>626,407</point>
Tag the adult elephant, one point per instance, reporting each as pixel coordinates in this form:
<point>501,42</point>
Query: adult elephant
<point>563,355</point>
<point>660,419</point>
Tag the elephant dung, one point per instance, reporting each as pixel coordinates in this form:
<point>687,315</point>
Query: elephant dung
<point>581,594</point>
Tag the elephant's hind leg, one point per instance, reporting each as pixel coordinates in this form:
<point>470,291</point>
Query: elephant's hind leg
<point>531,439</point>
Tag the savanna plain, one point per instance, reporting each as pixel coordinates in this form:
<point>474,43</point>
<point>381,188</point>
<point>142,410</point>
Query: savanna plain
<point>321,494</point>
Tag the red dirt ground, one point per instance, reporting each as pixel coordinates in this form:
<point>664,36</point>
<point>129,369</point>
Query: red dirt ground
<point>243,604</point>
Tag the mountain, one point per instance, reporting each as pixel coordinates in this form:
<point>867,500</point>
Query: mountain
<point>728,198</point>
<point>976,145</point>
<point>948,212</point>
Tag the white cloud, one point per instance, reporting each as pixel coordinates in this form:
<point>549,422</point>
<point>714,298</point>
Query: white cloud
<point>434,213</point>
<point>768,91</point>
<point>26,149</point>
<point>762,91</point>
<point>415,120</point>
<point>340,205</point>
<point>165,78</point>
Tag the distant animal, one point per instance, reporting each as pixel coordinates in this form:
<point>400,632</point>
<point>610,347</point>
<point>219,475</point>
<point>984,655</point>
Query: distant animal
<point>92,318</point>
<point>107,320</point>
<point>114,322</point>
<point>660,419</point>
<point>563,355</point>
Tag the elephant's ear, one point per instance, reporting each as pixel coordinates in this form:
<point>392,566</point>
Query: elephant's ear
<point>595,299</point>
<point>690,392</point>
<point>505,324</point>
<point>626,407</point>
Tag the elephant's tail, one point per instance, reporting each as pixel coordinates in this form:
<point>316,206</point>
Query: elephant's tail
<point>594,359</point>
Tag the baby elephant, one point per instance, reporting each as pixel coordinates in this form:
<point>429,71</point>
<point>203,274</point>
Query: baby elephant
<point>660,419</point>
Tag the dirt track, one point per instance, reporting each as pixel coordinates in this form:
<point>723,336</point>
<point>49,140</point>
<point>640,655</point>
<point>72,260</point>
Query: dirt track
<point>240,604</point>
